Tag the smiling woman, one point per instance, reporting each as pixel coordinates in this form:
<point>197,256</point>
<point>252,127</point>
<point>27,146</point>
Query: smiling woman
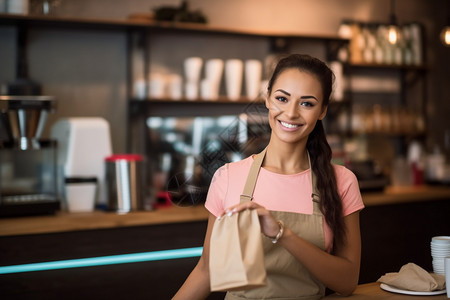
<point>307,207</point>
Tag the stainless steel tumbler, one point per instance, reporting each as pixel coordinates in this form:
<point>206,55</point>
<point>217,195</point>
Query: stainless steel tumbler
<point>125,182</point>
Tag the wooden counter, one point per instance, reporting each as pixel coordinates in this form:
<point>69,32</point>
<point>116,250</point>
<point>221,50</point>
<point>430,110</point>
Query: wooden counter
<point>373,291</point>
<point>396,228</point>
<point>64,221</point>
<point>407,194</point>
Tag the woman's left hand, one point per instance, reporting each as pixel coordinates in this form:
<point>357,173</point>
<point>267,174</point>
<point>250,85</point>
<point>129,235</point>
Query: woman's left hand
<point>269,225</point>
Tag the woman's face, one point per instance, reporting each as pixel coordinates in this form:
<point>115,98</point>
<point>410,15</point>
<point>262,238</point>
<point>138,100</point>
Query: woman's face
<point>295,105</point>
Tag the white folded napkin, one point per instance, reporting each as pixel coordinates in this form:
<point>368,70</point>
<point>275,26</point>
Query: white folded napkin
<point>413,278</point>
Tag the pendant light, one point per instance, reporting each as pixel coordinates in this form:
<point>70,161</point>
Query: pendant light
<point>393,32</point>
<point>445,32</point>
<point>445,36</point>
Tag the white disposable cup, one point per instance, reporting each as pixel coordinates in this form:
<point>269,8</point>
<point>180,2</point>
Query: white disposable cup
<point>213,73</point>
<point>214,70</point>
<point>206,89</point>
<point>139,91</point>
<point>209,90</point>
<point>81,197</point>
<point>233,78</point>
<point>191,90</point>
<point>175,86</point>
<point>157,86</point>
<point>192,69</point>
<point>447,275</point>
<point>253,73</point>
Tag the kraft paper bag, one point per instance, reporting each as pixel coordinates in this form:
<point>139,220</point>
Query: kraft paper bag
<point>236,260</point>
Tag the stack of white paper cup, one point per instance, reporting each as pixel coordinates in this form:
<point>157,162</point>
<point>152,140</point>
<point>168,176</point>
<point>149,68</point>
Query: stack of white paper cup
<point>157,85</point>
<point>192,71</point>
<point>447,275</point>
<point>440,249</point>
<point>209,87</point>
<point>234,69</point>
<point>175,86</point>
<point>253,73</point>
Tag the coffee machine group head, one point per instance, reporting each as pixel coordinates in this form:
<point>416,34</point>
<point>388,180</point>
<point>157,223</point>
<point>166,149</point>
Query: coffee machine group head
<point>28,182</point>
<point>23,119</point>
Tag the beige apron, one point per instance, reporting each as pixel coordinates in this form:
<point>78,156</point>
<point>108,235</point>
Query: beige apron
<point>287,278</point>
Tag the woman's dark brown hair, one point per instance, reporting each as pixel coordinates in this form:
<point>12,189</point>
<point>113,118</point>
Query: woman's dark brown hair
<point>317,145</point>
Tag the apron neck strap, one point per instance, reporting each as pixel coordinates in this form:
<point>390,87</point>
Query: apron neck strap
<point>247,194</point>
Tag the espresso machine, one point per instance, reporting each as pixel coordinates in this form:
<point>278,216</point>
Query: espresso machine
<point>28,183</point>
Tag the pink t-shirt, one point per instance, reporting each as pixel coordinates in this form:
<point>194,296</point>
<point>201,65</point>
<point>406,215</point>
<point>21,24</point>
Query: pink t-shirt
<point>278,192</point>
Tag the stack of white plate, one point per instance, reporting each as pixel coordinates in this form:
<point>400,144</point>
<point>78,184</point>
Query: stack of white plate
<point>440,249</point>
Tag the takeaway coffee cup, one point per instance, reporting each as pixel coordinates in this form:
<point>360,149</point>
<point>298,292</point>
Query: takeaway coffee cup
<point>80,193</point>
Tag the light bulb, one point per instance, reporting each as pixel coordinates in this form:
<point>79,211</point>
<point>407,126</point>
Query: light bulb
<point>445,36</point>
<point>393,34</point>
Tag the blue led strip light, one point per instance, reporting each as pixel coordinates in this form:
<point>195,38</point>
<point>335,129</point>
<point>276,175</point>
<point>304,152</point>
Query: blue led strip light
<point>104,260</point>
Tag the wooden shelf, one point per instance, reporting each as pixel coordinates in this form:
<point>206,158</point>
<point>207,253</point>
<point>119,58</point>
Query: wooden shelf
<point>45,21</point>
<point>35,20</point>
<point>221,100</point>
<point>186,108</point>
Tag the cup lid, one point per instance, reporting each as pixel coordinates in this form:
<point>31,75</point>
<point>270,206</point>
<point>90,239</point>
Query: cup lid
<point>127,157</point>
<point>80,179</point>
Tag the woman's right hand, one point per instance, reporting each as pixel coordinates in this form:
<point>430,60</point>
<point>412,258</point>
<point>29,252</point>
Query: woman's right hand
<point>269,225</point>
